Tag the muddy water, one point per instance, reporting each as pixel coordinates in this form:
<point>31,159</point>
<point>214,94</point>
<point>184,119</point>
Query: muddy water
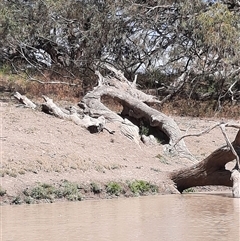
<point>171,217</point>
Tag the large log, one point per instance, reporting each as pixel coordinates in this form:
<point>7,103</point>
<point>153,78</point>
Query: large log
<point>136,104</point>
<point>211,171</point>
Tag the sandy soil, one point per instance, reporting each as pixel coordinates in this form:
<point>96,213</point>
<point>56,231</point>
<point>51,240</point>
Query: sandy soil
<point>36,147</point>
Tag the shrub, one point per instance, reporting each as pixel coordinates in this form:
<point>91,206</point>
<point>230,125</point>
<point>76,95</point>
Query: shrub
<point>29,200</point>
<point>114,188</point>
<point>69,190</point>
<point>42,191</point>
<point>2,192</point>
<point>17,200</point>
<point>140,187</point>
<point>95,188</point>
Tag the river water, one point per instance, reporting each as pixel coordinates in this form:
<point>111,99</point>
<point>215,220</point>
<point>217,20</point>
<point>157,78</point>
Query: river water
<point>168,217</point>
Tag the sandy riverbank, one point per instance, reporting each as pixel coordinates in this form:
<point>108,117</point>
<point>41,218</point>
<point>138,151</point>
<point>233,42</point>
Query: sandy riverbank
<point>39,148</point>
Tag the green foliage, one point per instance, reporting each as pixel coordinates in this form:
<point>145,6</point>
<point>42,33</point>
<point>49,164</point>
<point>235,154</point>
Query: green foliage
<point>42,191</point>
<point>29,200</point>
<point>218,28</point>
<point>114,188</point>
<point>77,37</point>
<point>189,190</point>
<point>68,190</point>
<point>144,129</point>
<point>140,187</point>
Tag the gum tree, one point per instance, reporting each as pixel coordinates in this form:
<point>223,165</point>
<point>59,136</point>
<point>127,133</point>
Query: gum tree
<point>196,43</point>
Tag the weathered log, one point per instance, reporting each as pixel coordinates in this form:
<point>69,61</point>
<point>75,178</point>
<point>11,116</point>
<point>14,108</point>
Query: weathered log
<point>92,124</point>
<point>136,104</point>
<point>211,171</point>
<point>24,100</point>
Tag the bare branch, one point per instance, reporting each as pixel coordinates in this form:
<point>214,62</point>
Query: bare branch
<point>119,74</point>
<point>222,126</point>
<point>52,82</point>
<point>198,134</point>
<point>24,100</point>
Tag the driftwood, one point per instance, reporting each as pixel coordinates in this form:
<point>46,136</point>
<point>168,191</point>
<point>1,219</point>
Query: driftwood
<point>92,124</point>
<point>136,105</point>
<point>24,100</point>
<point>211,171</point>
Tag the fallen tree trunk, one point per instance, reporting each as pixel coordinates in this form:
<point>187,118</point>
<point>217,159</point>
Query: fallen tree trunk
<point>136,105</point>
<point>24,100</point>
<point>211,171</point>
<point>93,125</point>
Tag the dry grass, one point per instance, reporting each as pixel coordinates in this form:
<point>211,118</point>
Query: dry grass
<point>194,108</point>
<point>176,106</point>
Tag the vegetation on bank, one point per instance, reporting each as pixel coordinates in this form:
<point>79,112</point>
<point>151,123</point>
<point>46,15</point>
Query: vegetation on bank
<point>177,105</point>
<point>179,49</point>
<point>71,191</point>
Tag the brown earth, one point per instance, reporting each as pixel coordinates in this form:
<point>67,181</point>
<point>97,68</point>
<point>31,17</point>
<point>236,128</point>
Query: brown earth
<point>39,148</point>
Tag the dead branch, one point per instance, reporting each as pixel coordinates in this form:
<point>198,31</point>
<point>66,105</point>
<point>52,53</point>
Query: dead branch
<point>24,100</point>
<point>197,134</point>
<point>92,124</point>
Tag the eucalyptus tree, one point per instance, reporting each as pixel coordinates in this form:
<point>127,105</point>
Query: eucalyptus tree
<point>198,38</point>
<point>195,41</point>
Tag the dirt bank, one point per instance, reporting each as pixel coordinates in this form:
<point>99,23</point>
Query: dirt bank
<point>39,148</point>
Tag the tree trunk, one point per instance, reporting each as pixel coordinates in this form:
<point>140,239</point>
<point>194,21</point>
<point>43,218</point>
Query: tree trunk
<point>93,125</point>
<point>136,105</point>
<point>24,100</point>
<point>210,171</point>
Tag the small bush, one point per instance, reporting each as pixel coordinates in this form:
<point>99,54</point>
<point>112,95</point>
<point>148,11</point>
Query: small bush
<point>114,188</point>
<point>141,187</point>
<point>95,188</point>
<point>42,191</point>
<point>17,200</point>
<point>69,190</point>
<point>2,192</point>
<point>29,200</point>
<point>74,197</point>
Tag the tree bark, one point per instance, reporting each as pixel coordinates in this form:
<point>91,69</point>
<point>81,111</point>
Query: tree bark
<point>92,124</point>
<point>136,104</point>
<point>24,100</point>
<point>210,171</point>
